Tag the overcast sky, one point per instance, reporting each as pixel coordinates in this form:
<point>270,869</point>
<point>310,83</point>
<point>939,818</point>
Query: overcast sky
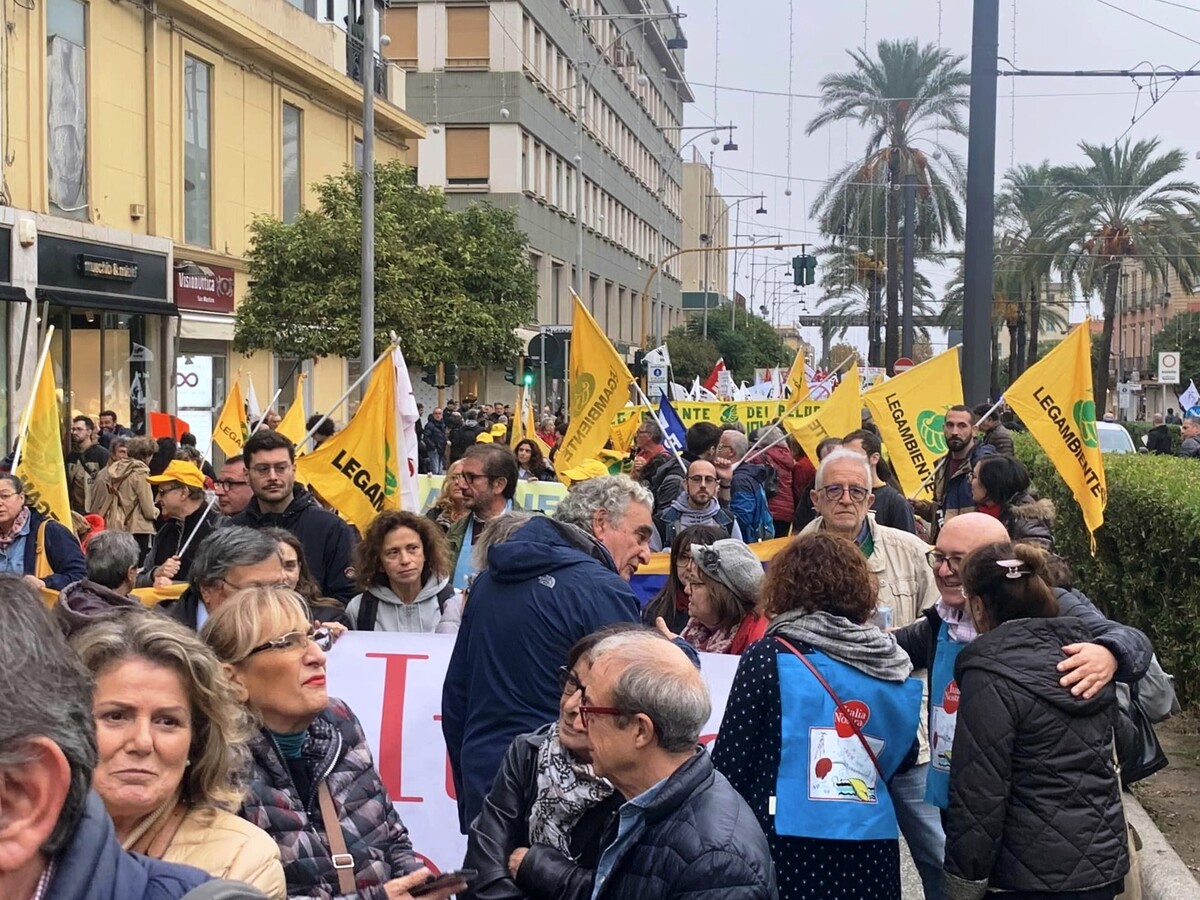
<point>742,46</point>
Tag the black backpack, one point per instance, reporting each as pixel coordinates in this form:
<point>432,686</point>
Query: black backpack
<point>368,607</point>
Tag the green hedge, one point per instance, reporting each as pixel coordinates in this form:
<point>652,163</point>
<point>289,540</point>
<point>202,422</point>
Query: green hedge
<point>1137,429</point>
<point>1146,571</point>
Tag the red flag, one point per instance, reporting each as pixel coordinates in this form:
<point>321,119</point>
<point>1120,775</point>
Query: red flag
<point>715,375</point>
<point>166,425</point>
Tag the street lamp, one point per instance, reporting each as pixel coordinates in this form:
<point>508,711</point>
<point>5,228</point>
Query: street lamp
<point>754,242</point>
<point>738,199</point>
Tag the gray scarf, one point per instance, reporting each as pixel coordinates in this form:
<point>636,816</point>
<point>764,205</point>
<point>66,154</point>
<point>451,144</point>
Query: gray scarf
<point>566,789</point>
<point>865,647</point>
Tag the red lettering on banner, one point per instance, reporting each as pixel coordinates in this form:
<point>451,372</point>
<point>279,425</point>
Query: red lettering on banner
<point>450,791</point>
<point>427,863</point>
<point>706,739</point>
<point>391,724</point>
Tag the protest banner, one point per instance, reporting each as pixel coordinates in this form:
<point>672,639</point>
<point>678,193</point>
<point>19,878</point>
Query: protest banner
<point>534,496</point>
<point>393,681</point>
<point>750,413</point>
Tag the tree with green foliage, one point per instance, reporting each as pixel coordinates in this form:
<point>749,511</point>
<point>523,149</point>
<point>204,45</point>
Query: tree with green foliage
<point>749,342</point>
<point>452,284</point>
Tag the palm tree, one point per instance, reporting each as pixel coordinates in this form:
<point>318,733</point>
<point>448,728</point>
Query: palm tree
<point>1032,220</point>
<point>1128,202</point>
<point>906,95</point>
<point>851,282</point>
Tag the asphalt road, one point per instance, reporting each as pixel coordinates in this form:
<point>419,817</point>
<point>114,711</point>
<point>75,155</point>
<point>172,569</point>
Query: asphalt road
<point>910,882</point>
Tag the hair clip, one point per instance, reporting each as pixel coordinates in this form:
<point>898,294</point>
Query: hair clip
<point>709,558</point>
<point>1013,568</point>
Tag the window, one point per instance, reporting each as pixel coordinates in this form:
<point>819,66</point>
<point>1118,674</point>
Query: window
<point>467,152</point>
<point>467,37</point>
<point>400,24</point>
<point>358,154</point>
<point>197,152</point>
<point>293,184</point>
<point>66,105</point>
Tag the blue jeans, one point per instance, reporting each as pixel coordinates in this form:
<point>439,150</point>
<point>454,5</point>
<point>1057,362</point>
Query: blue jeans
<point>921,825</point>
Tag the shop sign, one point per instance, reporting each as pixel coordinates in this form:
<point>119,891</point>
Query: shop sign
<point>204,288</point>
<point>110,269</point>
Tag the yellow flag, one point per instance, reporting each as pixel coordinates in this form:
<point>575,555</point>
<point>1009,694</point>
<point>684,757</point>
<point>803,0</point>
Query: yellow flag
<point>357,470</point>
<point>292,425</point>
<point>622,434</point>
<point>232,429</point>
<point>797,380</point>
<point>909,412</point>
<point>599,387</point>
<point>1054,399</point>
<point>837,417</point>
<point>41,465</point>
<point>531,429</point>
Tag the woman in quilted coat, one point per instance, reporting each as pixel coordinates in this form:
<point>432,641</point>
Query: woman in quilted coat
<point>310,755</point>
<point>1035,808</point>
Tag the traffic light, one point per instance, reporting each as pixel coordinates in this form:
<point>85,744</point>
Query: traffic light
<point>797,270</point>
<point>639,361</point>
<point>450,370</point>
<point>527,378</point>
<point>810,269</point>
<point>510,374</point>
<point>430,376</point>
<point>804,270</point>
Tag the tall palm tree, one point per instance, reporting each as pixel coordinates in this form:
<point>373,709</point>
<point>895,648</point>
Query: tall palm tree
<point>1034,225</point>
<point>1128,202</point>
<point>852,277</point>
<point>907,94</point>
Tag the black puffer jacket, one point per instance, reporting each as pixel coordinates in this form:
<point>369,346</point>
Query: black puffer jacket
<point>701,841</point>
<point>503,825</point>
<point>1030,521</point>
<point>1034,799</point>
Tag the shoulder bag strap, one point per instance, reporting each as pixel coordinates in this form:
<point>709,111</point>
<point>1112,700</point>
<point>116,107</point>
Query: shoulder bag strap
<point>343,862</point>
<point>837,702</point>
<point>443,597</point>
<point>368,611</point>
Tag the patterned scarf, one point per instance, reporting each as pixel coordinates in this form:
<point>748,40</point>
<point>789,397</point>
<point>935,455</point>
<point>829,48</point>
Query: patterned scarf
<point>962,629</point>
<point>566,789</point>
<point>708,640</point>
<point>10,534</point>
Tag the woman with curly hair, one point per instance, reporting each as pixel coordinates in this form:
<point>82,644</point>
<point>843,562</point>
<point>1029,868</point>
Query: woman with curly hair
<point>531,464</point>
<point>403,568</point>
<point>172,741</point>
<point>821,715</point>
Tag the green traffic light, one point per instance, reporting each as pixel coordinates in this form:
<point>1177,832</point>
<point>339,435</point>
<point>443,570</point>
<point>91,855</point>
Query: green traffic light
<point>528,379</point>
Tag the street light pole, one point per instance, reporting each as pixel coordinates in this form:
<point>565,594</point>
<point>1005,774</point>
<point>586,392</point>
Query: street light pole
<point>367,290</point>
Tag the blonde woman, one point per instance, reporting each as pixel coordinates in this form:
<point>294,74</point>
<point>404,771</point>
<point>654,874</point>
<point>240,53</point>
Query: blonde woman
<point>449,506</point>
<point>171,739</point>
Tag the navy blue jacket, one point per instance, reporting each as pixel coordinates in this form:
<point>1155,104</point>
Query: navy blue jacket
<point>701,842</point>
<point>62,550</point>
<point>546,587</point>
<point>94,867</point>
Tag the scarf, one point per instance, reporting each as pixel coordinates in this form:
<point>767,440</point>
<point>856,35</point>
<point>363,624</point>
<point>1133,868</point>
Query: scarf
<point>962,629</point>
<point>864,647</point>
<point>566,789</point>
<point>708,640</point>
<point>10,534</point>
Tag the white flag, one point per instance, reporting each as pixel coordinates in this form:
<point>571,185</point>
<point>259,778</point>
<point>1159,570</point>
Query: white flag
<point>253,410</point>
<point>701,393</point>
<point>659,356</point>
<point>406,434</point>
<point>1189,398</point>
<point>761,391</point>
<point>679,393</point>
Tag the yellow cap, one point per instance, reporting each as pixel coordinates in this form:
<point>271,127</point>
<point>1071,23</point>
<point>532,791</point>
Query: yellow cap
<point>589,468</point>
<point>499,430</point>
<point>484,438</point>
<point>182,471</point>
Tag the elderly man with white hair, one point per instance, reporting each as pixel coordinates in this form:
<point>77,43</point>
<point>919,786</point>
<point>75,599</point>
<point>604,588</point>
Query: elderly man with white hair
<point>549,584</point>
<point>683,830</point>
<point>842,498</point>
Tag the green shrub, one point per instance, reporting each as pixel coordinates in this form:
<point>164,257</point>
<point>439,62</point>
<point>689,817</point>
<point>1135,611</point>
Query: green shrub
<point>1147,558</point>
<point>1137,429</point>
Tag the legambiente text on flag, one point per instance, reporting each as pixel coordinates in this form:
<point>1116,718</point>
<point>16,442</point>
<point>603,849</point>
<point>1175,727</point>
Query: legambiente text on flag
<point>232,429</point>
<point>910,412</point>
<point>599,387</point>
<point>1054,399</point>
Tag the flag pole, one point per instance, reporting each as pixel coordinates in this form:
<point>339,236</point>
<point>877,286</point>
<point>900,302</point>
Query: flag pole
<point>196,530</point>
<point>662,423</point>
<point>28,414</point>
<point>929,477</point>
<point>392,345</point>
<point>212,437</point>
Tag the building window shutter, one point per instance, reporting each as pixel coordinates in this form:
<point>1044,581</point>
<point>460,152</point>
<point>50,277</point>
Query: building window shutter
<point>400,24</point>
<point>467,152</point>
<point>467,37</point>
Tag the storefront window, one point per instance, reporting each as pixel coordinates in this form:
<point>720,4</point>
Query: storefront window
<point>4,319</point>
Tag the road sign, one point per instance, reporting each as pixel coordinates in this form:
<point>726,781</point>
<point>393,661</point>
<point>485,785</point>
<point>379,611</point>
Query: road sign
<point>656,381</point>
<point>903,364</point>
<point>1168,367</point>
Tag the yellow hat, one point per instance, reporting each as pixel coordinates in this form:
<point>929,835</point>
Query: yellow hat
<point>499,430</point>
<point>589,468</point>
<point>484,438</point>
<point>182,471</point>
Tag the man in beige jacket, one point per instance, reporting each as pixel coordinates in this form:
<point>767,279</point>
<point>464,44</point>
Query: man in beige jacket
<point>898,560</point>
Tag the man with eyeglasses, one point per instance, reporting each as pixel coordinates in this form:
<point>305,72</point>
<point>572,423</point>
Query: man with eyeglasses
<point>232,487</point>
<point>696,504</point>
<point>842,498</point>
<point>181,501</point>
<point>279,502</point>
<point>225,562</point>
<point>683,830</point>
<point>655,466</point>
<point>489,479</point>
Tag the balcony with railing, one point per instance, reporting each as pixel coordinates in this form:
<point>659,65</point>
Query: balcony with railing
<point>354,65</point>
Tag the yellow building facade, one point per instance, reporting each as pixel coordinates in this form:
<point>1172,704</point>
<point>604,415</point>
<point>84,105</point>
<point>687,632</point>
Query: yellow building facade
<point>139,143</point>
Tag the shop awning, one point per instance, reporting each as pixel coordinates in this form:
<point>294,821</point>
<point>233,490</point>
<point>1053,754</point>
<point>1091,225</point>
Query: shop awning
<point>10,294</point>
<point>205,327</point>
<point>107,302</point>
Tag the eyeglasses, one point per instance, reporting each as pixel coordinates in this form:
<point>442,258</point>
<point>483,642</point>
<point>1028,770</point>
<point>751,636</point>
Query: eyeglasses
<point>295,640</point>
<point>470,477</point>
<point>228,484</point>
<point>936,558</point>
<point>587,711</point>
<point>4,498</point>
<point>702,479</point>
<point>254,584</point>
<point>835,491</point>
<point>262,469</point>
<point>568,682</point>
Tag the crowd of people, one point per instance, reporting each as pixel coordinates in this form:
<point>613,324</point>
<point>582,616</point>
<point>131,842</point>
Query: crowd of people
<point>916,668</point>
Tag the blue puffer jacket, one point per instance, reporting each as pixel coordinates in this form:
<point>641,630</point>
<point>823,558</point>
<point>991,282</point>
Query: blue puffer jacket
<point>94,867</point>
<point>546,587</point>
<point>701,842</point>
